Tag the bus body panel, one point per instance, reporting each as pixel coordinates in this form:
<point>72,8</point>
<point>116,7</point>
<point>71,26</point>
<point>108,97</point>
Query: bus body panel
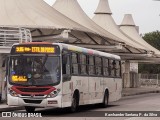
<point>113,87</point>
<point>91,89</point>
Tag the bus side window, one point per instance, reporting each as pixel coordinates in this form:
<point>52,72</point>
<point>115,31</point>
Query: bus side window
<point>98,64</point>
<point>75,65</point>
<point>110,68</point>
<point>91,65</point>
<point>83,63</point>
<point>118,68</point>
<point>66,64</point>
<point>114,68</point>
<point>105,67</point>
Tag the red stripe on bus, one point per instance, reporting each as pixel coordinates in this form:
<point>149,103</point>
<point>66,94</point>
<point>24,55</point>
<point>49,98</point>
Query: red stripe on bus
<point>50,89</point>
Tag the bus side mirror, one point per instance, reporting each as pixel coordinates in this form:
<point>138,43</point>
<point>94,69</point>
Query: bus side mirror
<point>66,77</point>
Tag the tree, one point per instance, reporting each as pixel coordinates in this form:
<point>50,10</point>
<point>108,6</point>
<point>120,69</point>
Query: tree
<point>153,38</point>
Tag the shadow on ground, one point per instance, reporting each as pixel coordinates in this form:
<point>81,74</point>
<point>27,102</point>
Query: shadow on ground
<point>85,111</point>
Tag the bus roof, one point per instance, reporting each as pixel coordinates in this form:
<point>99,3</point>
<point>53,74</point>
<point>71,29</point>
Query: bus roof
<point>87,51</point>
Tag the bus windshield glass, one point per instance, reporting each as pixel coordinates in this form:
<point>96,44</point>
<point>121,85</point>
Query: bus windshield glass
<point>34,70</point>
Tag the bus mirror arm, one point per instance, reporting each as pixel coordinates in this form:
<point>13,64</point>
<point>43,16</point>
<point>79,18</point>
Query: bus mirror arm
<point>4,63</point>
<point>66,77</point>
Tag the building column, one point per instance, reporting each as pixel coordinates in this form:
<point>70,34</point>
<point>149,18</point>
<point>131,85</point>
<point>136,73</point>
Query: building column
<point>126,75</point>
<point>134,74</point>
<point>2,76</point>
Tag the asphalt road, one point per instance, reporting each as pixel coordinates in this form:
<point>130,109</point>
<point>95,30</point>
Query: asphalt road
<point>146,102</point>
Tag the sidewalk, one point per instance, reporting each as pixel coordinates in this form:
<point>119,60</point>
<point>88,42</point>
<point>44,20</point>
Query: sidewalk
<point>4,107</point>
<point>140,90</point>
<point>125,92</point>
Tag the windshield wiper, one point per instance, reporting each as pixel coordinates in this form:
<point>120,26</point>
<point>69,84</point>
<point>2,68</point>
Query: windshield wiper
<point>44,62</point>
<point>45,59</point>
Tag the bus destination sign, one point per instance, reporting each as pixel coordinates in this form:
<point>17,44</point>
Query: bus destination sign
<point>24,49</point>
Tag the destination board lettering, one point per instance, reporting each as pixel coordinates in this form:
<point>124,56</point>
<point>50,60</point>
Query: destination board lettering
<point>35,49</point>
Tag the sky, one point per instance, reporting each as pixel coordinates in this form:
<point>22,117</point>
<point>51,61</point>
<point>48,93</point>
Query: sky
<point>146,13</point>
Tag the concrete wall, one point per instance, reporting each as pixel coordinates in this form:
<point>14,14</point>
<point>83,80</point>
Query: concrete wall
<point>130,74</point>
<point>126,74</point>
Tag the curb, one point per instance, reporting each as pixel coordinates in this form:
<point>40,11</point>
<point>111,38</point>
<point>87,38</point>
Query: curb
<point>139,93</point>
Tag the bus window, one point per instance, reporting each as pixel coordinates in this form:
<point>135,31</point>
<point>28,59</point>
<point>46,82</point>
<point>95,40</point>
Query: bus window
<point>87,63</point>
<point>66,63</point>
<point>105,67</point>
<point>98,63</point>
<point>83,65</point>
<point>91,66</point>
<point>118,68</point>
<point>110,68</point>
<point>74,63</point>
<point>113,68</point>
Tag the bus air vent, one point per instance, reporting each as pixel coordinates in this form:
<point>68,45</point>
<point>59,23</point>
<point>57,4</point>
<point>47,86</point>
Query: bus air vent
<point>32,101</point>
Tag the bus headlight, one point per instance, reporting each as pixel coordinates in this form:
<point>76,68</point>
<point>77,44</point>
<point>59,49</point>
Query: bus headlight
<point>53,93</point>
<point>13,93</point>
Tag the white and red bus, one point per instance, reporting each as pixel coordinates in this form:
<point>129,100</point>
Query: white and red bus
<point>41,74</point>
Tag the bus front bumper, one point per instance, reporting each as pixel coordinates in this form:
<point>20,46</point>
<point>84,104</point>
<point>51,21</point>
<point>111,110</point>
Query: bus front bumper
<point>45,102</point>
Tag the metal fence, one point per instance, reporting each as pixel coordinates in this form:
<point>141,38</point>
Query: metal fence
<point>10,35</point>
<point>149,79</point>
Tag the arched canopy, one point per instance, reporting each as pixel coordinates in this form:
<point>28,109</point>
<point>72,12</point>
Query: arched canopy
<point>104,19</point>
<point>72,9</point>
<point>34,14</point>
<point>45,22</point>
<point>129,28</point>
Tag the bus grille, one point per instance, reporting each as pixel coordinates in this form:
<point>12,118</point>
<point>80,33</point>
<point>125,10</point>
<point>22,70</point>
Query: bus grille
<point>33,89</point>
<point>32,101</point>
<point>28,95</point>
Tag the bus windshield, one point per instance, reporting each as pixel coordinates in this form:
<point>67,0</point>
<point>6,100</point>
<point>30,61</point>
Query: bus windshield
<point>34,70</point>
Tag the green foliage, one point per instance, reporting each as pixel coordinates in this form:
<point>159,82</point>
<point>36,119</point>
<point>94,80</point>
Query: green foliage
<point>153,38</point>
<point>149,68</point>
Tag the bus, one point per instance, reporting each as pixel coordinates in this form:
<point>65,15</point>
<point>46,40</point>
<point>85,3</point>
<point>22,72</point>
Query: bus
<point>58,75</point>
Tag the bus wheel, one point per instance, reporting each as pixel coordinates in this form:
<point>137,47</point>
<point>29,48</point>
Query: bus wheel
<point>105,99</point>
<point>30,109</point>
<point>74,104</point>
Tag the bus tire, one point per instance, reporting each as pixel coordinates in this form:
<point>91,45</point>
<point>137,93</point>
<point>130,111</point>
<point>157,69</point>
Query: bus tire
<point>30,109</point>
<point>75,102</point>
<point>105,99</point>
